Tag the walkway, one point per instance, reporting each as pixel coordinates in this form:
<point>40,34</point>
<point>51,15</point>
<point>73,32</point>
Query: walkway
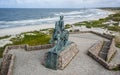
<point>29,63</point>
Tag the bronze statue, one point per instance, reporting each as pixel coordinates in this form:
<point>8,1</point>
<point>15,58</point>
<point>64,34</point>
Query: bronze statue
<point>60,35</point>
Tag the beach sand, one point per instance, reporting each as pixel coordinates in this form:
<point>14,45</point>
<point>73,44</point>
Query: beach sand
<point>18,30</point>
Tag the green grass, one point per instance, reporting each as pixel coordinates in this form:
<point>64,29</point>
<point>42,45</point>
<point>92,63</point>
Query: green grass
<point>117,41</point>
<point>38,39</point>
<point>67,26</point>
<point>1,51</point>
<point>89,24</point>
<point>114,28</point>
<point>2,48</point>
<point>117,68</point>
<point>4,37</point>
<point>99,23</point>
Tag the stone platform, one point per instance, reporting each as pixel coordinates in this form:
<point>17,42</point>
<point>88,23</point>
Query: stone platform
<point>29,62</point>
<point>59,60</point>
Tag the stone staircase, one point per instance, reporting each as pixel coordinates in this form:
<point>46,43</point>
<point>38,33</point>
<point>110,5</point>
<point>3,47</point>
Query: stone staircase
<point>104,51</point>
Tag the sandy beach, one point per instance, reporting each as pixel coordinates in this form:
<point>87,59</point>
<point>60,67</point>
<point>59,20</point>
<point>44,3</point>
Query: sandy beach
<point>18,30</point>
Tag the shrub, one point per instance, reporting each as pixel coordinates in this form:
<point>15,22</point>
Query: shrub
<point>67,26</point>
<point>88,26</point>
<point>117,41</point>
<point>1,51</point>
<point>4,37</point>
<point>70,30</point>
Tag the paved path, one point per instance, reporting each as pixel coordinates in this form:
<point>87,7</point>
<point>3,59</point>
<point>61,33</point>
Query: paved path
<point>29,63</point>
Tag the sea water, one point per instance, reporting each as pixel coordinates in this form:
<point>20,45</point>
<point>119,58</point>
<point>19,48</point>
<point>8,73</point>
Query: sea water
<point>18,17</point>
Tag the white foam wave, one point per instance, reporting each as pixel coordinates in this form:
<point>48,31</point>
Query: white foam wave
<point>6,24</point>
<point>69,13</point>
<point>69,16</point>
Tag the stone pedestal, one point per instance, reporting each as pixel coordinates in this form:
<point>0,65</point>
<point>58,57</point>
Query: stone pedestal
<point>59,60</point>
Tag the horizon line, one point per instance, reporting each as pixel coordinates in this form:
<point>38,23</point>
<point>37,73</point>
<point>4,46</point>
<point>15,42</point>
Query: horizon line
<point>57,8</point>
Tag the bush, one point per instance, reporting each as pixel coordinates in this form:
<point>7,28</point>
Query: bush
<point>70,30</point>
<point>67,26</point>
<point>88,26</point>
<point>114,28</point>
<point>4,37</point>
<point>1,51</point>
<point>117,41</point>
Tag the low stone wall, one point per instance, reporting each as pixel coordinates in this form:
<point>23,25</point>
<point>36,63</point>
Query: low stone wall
<point>94,54</point>
<point>39,47</point>
<point>98,59</point>
<point>111,51</point>
<point>103,35</point>
<point>8,59</point>
<point>7,64</point>
<point>103,62</point>
<point>99,34</point>
<point>27,47</point>
<point>95,48</point>
<point>14,47</point>
<point>10,70</point>
<point>94,51</point>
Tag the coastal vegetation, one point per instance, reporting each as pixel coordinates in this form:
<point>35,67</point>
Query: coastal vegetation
<point>4,37</point>
<point>67,26</point>
<point>31,38</point>
<point>100,23</point>
<point>117,41</point>
<point>116,68</point>
<point>1,51</point>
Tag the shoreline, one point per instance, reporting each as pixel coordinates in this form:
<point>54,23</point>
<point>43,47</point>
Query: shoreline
<point>18,30</point>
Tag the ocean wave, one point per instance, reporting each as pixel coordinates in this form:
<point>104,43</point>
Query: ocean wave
<point>68,16</point>
<point>7,24</point>
<point>69,13</point>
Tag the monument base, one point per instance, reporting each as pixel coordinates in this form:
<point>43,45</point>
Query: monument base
<point>59,60</point>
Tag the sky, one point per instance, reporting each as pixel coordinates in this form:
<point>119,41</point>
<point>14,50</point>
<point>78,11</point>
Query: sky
<point>58,3</point>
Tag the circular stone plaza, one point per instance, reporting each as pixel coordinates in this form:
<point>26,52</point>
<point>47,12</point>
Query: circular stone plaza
<point>30,62</point>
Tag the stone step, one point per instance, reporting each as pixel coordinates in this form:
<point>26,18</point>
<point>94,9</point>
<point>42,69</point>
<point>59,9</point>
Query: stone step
<point>104,51</point>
